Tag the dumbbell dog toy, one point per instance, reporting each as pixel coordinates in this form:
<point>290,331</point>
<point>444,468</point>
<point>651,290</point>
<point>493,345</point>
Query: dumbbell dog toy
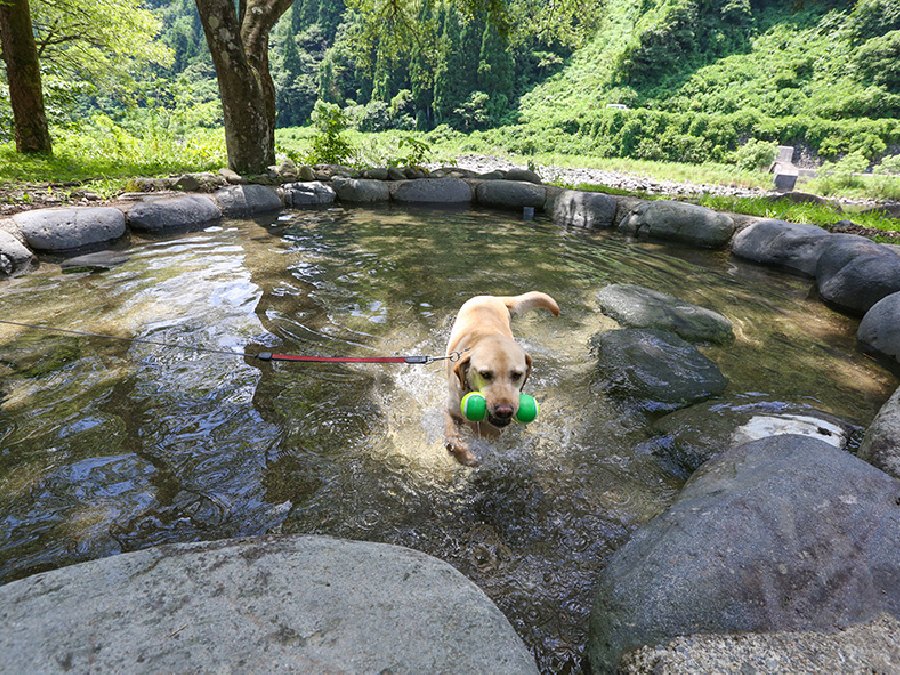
<point>473,406</point>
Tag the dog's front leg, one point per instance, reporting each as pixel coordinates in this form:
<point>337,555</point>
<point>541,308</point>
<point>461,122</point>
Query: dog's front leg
<point>454,442</point>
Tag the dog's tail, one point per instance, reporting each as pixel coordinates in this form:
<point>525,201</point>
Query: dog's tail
<point>518,304</point>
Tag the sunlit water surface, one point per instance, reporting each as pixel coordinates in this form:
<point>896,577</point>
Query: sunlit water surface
<point>110,446</point>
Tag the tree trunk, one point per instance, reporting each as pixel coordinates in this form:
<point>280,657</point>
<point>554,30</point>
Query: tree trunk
<point>23,72</point>
<point>239,44</point>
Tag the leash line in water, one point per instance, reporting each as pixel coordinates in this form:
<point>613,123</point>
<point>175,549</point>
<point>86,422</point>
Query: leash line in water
<point>262,356</point>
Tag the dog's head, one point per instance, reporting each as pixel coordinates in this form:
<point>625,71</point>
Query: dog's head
<point>497,367</point>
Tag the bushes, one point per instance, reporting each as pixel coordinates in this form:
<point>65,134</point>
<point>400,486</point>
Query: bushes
<point>755,155</point>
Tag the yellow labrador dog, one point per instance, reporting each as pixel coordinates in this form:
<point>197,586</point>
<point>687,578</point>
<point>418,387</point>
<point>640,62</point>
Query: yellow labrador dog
<point>491,362</point>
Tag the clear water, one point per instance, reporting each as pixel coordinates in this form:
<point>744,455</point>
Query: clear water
<point>110,446</point>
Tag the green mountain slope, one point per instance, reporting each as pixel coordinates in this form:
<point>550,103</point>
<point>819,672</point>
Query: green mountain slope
<point>823,74</point>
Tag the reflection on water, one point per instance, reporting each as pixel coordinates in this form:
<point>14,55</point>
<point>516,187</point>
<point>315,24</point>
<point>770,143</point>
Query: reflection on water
<point>108,447</point>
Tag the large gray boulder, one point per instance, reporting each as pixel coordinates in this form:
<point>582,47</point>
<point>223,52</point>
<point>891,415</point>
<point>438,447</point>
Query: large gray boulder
<point>854,273</point>
<point>687,438</point>
<point>879,330</point>
<point>638,307</point>
<point>241,201</point>
<point>677,221</point>
<point>870,647</point>
<point>14,256</point>
<point>360,190</point>
<point>160,215</point>
<point>432,191</point>
<point>306,195</point>
<point>69,228</point>
<point>787,245</point>
<point>298,604</point>
<point>841,249</point>
<point>785,533</point>
<point>508,194</point>
<point>592,210</point>
<point>654,369</point>
<point>881,444</point>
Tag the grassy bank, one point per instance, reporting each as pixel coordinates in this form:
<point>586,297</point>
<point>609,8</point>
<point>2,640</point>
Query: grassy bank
<point>102,157</point>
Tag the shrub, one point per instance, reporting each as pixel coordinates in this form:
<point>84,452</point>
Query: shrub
<point>755,155</point>
<point>889,166</point>
<point>328,144</point>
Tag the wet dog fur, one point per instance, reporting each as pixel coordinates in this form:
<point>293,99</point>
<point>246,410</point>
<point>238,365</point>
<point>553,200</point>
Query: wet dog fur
<point>491,361</point>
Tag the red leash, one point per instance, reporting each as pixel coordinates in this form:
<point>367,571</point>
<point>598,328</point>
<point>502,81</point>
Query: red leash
<point>268,356</point>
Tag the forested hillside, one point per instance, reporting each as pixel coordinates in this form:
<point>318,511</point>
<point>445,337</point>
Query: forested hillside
<point>700,78</point>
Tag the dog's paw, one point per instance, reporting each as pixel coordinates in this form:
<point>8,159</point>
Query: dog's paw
<point>462,453</point>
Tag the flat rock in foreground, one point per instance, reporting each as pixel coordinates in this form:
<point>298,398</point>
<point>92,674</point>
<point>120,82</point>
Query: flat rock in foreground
<point>297,604</point>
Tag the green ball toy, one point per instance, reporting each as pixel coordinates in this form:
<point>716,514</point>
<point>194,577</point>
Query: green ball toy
<point>473,406</point>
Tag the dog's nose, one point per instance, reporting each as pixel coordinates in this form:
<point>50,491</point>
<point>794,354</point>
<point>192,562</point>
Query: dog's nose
<point>503,411</point>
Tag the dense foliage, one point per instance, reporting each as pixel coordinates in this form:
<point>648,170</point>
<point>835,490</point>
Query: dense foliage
<point>702,80</point>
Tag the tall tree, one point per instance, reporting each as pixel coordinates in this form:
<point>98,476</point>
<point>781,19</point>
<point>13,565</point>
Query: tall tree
<point>238,39</point>
<point>23,72</point>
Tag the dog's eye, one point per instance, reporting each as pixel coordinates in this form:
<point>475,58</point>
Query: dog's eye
<point>515,374</point>
<point>486,375</point>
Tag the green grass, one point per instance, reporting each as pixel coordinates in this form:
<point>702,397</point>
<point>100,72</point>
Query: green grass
<point>103,156</point>
<point>810,213</point>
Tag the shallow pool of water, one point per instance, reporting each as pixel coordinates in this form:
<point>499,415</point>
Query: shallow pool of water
<point>109,446</point>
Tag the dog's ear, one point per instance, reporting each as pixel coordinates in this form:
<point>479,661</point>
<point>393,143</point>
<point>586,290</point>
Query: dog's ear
<point>527,370</point>
<point>461,370</point>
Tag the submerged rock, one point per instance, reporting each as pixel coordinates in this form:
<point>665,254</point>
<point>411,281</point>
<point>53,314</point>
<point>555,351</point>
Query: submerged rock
<point>297,604</point>
<point>677,221</point>
<point>654,368</point>
<point>787,245</point>
<point>62,229</point>
<point>785,533</point>
<point>584,209</point>
<point>687,438</point>
<point>881,444</point>
<point>639,307</point>
<point>101,261</point>
<point>879,330</point>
